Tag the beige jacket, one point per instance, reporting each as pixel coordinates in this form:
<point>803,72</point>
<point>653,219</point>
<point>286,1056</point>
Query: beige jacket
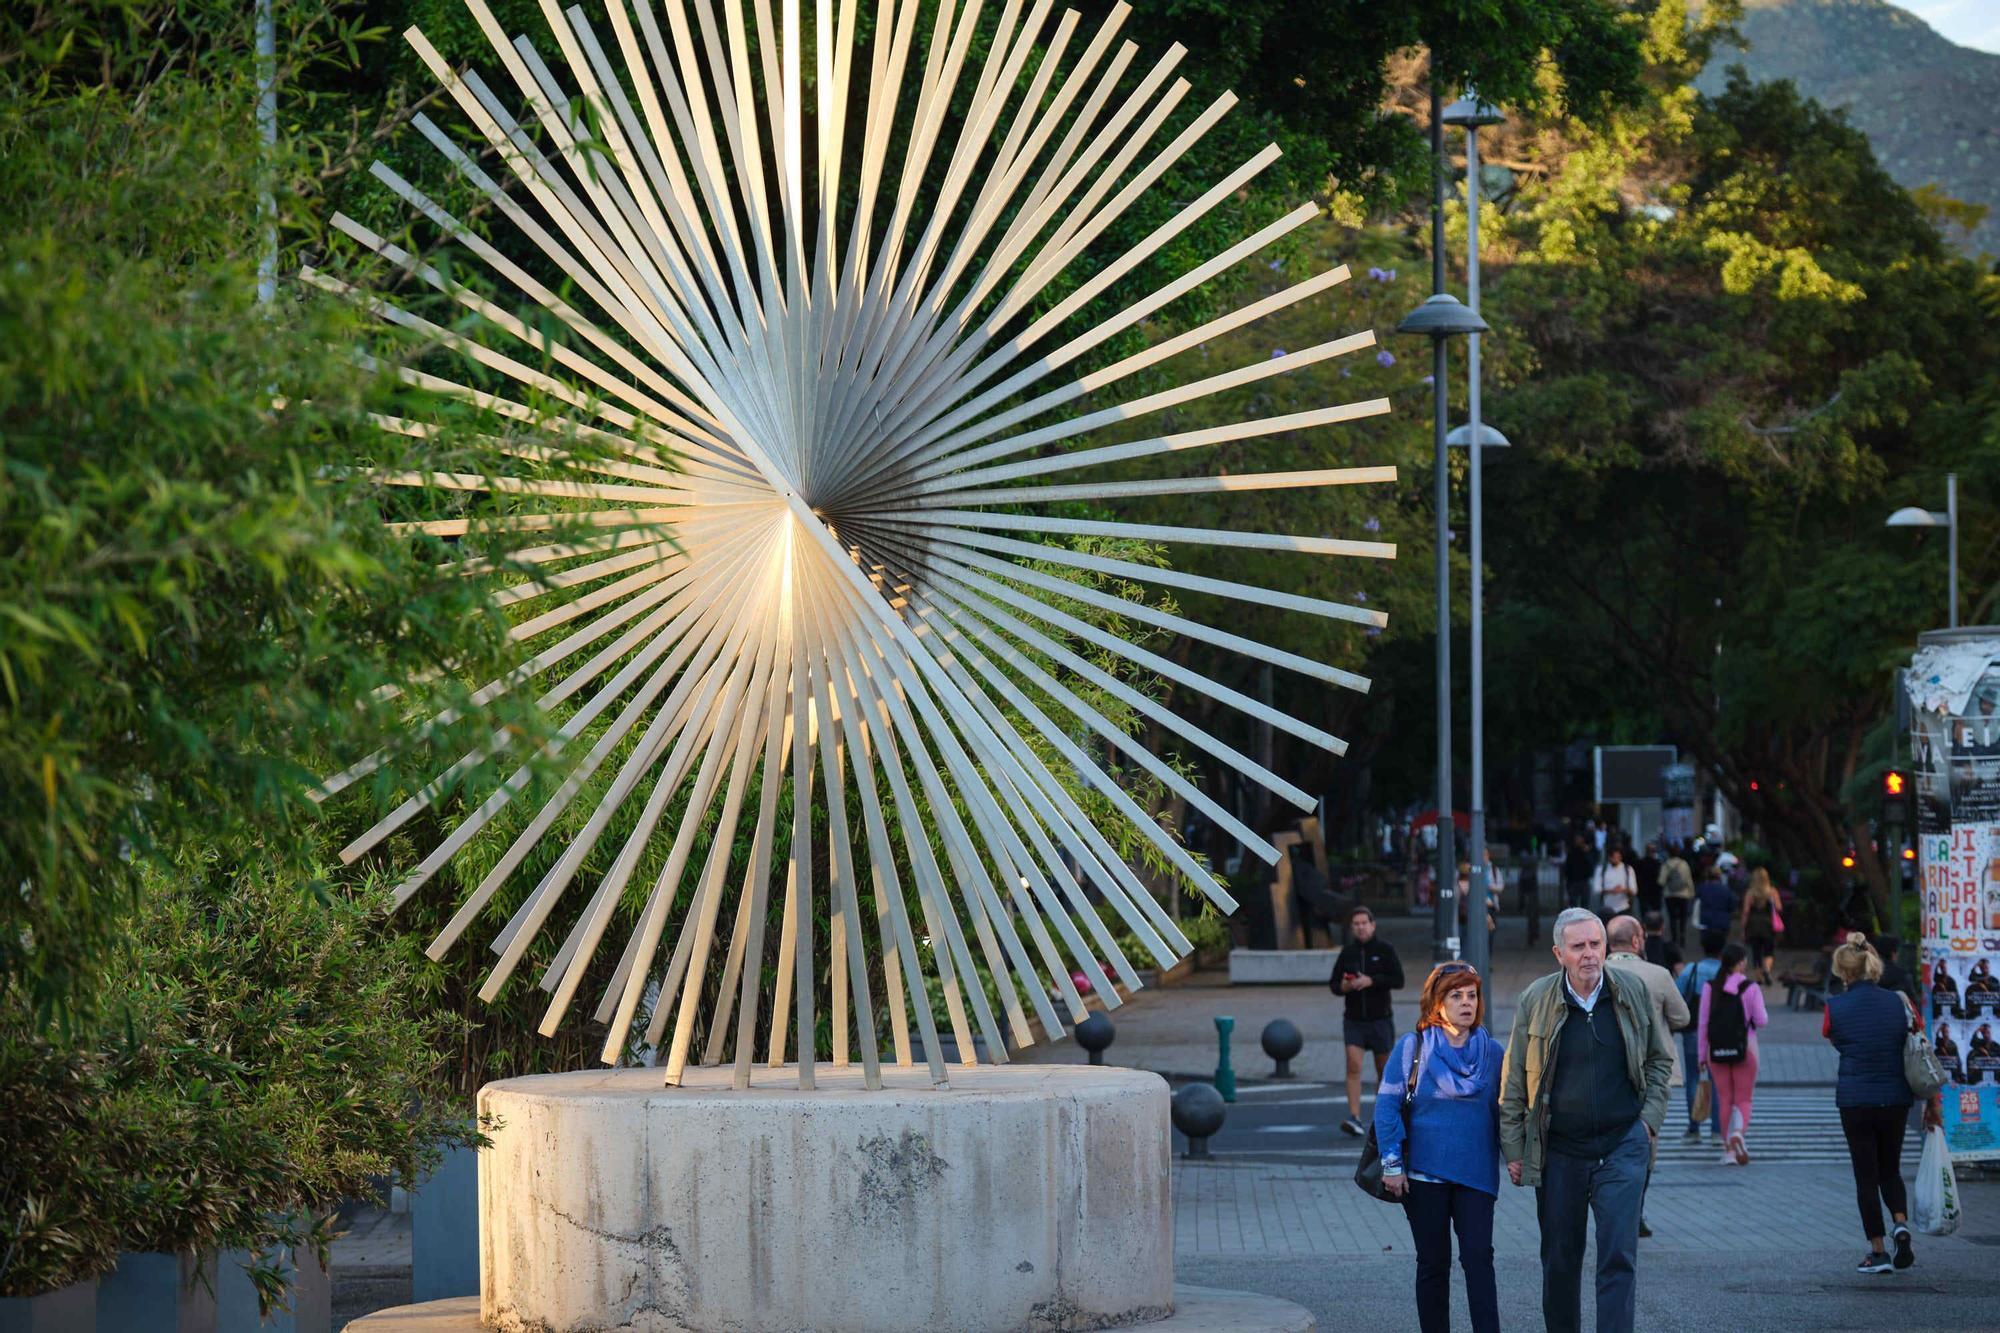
<point>1524,1078</point>
<point>1669,1006</point>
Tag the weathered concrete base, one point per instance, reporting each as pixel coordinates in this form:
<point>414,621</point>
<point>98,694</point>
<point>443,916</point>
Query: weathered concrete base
<point>1196,1310</point>
<point>1272,967</point>
<point>1022,1197</point>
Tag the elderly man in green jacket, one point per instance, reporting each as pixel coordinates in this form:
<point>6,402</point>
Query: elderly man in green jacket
<point>1582,1096</point>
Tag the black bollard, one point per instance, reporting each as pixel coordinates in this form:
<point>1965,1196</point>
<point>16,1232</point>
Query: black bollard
<point>1198,1111</point>
<point>1282,1042</point>
<point>1094,1034</point>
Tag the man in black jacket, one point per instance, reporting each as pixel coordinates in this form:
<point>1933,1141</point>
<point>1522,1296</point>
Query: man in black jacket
<point>1366,972</point>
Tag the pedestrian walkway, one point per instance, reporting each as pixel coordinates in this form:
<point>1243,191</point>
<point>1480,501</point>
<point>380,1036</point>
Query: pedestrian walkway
<point>1283,1209</point>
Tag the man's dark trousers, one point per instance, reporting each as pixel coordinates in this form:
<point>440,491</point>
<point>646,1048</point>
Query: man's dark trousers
<point>1572,1188</point>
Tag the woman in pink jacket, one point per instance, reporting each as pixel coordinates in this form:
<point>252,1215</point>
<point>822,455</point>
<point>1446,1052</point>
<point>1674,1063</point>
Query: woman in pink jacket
<point>1732,1009</point>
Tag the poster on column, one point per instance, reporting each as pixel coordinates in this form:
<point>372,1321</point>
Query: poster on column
<point>1954,687</point>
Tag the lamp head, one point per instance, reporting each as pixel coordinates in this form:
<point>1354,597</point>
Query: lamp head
<point>1913,517</point>
<point>1442,316</point>
<point>1472,111</point>
<point>1489,437</point>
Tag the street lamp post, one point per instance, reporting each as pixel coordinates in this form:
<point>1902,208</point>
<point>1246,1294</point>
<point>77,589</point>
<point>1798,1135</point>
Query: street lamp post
<point>1440,318</point>
<point>1472,112</point>
<point>1477,947</point>
<point>1914,517</point>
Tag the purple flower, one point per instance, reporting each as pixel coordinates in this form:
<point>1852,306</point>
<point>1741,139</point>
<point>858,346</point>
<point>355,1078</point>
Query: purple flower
<point>1373,631</point>
<point>1451,536</point>
<point>1361,597</point>
<point>1430,379</point>
<point>1277,266</point>
<point>1346,373</point>
<point>1385,357</point>
<point>1389,275</point>
<point>1377,274</point>
<point>1372,524</point>
<point>1277,352</point>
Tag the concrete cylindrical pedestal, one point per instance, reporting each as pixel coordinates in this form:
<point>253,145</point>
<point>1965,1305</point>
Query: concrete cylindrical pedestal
<point>1022,1197</point>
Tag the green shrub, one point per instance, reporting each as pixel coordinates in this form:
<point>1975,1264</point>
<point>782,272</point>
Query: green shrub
<point>256,1059</point>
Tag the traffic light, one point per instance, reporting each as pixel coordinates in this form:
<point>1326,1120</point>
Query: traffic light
<point>1896,793</point>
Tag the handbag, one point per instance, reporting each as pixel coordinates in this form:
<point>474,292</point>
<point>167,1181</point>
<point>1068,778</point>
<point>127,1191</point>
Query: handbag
<point>1922,1070</point>
<point>1704,1100</point>
<point>1368,1175</point>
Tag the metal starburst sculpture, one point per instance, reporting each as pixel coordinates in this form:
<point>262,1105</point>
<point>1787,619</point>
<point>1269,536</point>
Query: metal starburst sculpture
<point>842,362</point>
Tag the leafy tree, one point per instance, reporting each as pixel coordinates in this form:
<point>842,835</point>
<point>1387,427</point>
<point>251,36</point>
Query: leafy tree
<point>1730,345</point>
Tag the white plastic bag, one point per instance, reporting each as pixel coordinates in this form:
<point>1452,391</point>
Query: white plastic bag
<point>1935,1209</point>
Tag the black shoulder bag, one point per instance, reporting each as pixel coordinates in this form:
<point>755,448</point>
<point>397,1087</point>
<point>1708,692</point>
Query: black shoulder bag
<point>1368,1175</point>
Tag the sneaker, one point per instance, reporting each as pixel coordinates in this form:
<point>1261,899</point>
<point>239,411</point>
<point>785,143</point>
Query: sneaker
<point>1693,1135</point>
<point>1873,1262</point>
<point>1738,1151</point>
<point>1353,1128</point>
<point>1645,1232</point>
<point>1729,1158</point>
<point>1905,1256</point>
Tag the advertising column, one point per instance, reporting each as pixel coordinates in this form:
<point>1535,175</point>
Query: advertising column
<point>1954,689</point>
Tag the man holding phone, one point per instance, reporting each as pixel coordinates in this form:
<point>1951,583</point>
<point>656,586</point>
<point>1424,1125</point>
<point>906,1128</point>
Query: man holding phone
<point>1365,973</point>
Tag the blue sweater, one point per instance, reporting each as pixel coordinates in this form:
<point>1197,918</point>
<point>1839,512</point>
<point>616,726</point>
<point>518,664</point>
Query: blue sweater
<point>1454,1131</point>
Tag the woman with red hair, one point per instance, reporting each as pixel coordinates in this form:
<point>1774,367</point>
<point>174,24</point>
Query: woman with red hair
<point>1437,1120</point>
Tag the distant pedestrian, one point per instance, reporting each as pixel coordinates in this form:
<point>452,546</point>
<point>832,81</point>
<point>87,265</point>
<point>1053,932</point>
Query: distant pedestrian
<point>1670,1010</point>
<point>1578,865</point>
<point>1647,868</point>
<point>1867,1025</point>
<point>1732,1009</point>
<point>1531,897</point>
<point>1895,977</point>
<point>1582,1095</point>
<point>1693,978</point>
<point>1616,885</point>
<point>1763,922</point>
<point>1718,908</point>
<point>1365,973</point>
<point>1447,1164</point>
<point>1677,889</point>
<point>1661,951</point>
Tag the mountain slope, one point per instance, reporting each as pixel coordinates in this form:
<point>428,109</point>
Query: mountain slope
<point>1930,107</point>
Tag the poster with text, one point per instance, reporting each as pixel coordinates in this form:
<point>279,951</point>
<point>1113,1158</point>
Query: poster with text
<point>1955,748</point>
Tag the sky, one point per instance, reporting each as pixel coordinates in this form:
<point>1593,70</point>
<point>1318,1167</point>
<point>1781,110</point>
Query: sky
<point>1974,23</point>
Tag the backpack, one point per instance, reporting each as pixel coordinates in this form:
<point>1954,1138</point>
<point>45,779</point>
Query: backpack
<point>1728,1030</point>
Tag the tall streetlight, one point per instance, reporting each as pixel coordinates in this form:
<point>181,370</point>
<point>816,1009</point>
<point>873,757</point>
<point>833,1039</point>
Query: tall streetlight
<point>1471,112</point>
<point>1913,517</point>
<point>1440,318</point>
<point>1477,947</point>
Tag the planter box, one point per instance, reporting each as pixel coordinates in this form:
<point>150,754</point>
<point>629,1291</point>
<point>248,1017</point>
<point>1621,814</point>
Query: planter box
<point>310,1298</point>
<point>1281,967</point>
<point>71,1309</point>
<point>444,1229</point>
<point>162,1293</point>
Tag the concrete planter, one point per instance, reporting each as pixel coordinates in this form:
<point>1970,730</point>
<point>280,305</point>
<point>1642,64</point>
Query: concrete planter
<point>71,1309</point>
<point>162,1293</point>
<point>311,1297</point>
<point>444,1229</point>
